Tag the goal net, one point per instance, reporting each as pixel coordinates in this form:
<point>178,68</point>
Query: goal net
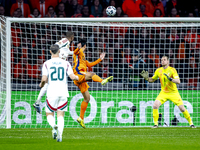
<point>131,45</point>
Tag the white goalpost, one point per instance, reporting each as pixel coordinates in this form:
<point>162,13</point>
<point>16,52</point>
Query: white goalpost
<point>131,45</point>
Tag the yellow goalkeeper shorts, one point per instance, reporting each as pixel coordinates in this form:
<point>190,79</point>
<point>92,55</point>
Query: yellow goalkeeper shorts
<point>174,97</point>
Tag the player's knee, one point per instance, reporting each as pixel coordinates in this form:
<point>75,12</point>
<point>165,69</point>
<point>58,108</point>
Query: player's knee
<point>182,108</point>
<point>92,74</point>
<point>87,99</point>
<point>155,106</point>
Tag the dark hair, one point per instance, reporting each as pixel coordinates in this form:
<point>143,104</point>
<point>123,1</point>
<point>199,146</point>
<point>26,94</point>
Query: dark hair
<point>50,7</point>
<point>156,2</point>
<point>154,14</point>
<point>54,48</point>
<point>69,34</point>
<point>37,11</point>
<point>82,41</point>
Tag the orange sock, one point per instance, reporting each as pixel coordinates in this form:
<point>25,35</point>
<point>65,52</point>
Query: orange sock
<point>96,78</point>
<point>83,109</point>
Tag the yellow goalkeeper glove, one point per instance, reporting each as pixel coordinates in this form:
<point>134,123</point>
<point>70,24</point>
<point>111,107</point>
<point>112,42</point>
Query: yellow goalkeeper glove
<point>145,74</point>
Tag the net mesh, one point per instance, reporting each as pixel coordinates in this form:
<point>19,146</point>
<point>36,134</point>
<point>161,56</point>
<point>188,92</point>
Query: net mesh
<point>129,47</point>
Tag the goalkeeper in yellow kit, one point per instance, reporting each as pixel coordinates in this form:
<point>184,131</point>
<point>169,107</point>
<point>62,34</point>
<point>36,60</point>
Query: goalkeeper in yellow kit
<point>168,78</point>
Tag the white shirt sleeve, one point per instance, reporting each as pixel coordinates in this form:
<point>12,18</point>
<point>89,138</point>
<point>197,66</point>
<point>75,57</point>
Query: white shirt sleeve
<point>67,51</point>
<point>44,69</point>
<point>69,69</point>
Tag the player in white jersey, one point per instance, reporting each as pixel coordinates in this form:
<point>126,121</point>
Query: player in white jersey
<point>55,70</point>
<point>63,44</point>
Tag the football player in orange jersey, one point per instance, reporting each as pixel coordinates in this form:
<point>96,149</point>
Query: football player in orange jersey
<point>80,69</point>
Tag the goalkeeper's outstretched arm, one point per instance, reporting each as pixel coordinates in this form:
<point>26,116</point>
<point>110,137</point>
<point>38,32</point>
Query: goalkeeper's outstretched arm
<point>145,75</point>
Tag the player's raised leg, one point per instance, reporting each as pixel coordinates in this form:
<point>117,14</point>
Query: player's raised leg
<point>156,105</point>
<point>186,115</point>
<point>84,105</point>
<point>92,76</point>
<point>43,91</point>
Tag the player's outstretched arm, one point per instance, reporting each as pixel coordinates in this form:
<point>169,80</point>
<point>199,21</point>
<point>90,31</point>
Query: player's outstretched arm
<point>43,81</point>
<point>177,81</point>
<point>88,64</point>
<point>102,56</point>
<point>73,77</point>
<point>145,75</point>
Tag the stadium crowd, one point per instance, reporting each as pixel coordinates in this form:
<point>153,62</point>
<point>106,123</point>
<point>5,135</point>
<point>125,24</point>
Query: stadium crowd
<point>127,48</point>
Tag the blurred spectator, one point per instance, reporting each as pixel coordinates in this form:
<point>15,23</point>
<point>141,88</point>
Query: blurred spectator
<point>24,8</point>
<point>194,63</point>
<point>161,42</point>
<point>15,14</point>
<point>78,11</point>
<point>174,13</point>
<point>85,12</point>
<point>154,57</point>
<point>2,10</point>
<point>42,6</point>
<point>183,49</point>
<point>96,9</point>
<point>157,13</point>
<point>19,11</point>
<point>142,11</point>
<point>131,7</point>
<point>193,37</point>
<point>127,54</point>
<point>172,58</point>
<point>152,5</point>
<point>37,70</point>
<point>35,14</point>
<point>61,9</point>
<point>51,13</point>
<point>22,71</point>
<point>72,8</point>
<point>119,12</point>
<point>170,5</point>
<point>25,47</point>
<point>173,35</point>
<point>137,64</point>
<point>16,33</point>
<point>112,3</point>
<point>104,14</point>
<point>142,39</point>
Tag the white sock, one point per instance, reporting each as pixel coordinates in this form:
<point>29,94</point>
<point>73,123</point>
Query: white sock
<point>60,125</point>
<point>51,120</point>
<point>42,93</point>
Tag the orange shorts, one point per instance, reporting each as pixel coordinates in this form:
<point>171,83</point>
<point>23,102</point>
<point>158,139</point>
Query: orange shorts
<point>81,83</point>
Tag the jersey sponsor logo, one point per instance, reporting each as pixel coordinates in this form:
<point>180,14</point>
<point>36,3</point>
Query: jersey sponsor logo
<point>64,41</point>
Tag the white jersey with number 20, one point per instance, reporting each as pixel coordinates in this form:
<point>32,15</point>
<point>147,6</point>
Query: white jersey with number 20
<point>56,70</point>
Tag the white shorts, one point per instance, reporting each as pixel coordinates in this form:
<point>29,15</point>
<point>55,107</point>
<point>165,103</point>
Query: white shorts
<point>56,103</point>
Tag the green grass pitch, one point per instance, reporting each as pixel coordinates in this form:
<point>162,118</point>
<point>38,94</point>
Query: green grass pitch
<point>174,138</point>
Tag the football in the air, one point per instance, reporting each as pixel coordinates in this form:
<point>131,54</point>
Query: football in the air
<point>110,10</point>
